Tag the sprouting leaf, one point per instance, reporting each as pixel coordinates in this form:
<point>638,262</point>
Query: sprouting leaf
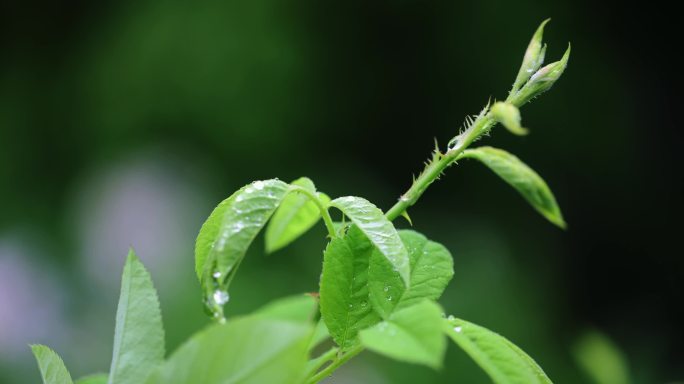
<point>502,360</point>
<point>51,366</point>
<point>227,234</point>
<point>295,215</point>
<point>139,334</point>
<point>344,301</point>
<point>248,350</point>
<point>601,359</point>
<point>380,231</point>
<point>509,116</point>
<point>98,378</point>
<point>521,177</point>
<point>299,308</point>
<point>411,334</point>
<point>431,270</point>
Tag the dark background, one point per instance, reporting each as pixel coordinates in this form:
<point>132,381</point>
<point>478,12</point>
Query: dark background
<point>123,123</point>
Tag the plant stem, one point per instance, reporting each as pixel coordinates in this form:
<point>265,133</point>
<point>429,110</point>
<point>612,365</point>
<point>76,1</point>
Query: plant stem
<point>316,364</point>
<point>439,163</point>
<point>340,360</point>
<point>321,207</point>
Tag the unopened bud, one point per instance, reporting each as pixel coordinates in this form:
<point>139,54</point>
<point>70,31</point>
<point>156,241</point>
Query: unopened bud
<point>542,80</point>
<point>533,59</point>
<point>509,116</point>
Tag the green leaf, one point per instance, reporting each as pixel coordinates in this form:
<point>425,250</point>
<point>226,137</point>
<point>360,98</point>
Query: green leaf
<point>344,301</point>
<point>601,359</point>
<point>98,378</point>
<point>295,215</point>
<point>431,270</point>
<point>299,308</point>
<point>227,234</point>
<point>380,231</point>
<point>51,366</point>
<point>139,334</point>
<point>411,334</point>
<point>502,360</point>
<point>521,177</point>
<point>248,350</point>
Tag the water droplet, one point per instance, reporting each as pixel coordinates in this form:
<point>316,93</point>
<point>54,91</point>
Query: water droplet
<point>458,329</point>
<point>451,318</point>
<point>239,198</point>
<point>389,298</point>
<point>221,297</point>
<point>363,303</point>
<point>350,306</point>
<point>386,288</point>
<point>259,185</point>
<point>216,275</point>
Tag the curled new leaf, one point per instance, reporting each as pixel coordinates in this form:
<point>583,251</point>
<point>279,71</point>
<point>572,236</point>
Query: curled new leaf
<point>521,177</point>
<point>509,116</point>
<point>379,230</point>
<point>227,234</point>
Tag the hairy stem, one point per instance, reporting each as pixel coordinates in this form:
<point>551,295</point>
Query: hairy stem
<point>336,363</point>
<point>439,163</point>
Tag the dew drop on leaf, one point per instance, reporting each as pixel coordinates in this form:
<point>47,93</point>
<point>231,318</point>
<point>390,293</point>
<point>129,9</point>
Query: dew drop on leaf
<point>458,329</point>
<point>221,297</point>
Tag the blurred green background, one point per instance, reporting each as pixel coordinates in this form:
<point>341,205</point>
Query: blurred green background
<point>123,124</point>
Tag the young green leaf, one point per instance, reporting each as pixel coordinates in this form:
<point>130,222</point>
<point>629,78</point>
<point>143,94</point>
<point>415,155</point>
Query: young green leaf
<point>344,287</point>
<point>299,308</point>
<point>509,116</point>
<point>98,378</point>
<point>138,335</point>
<point>380,231</point>
<point>502,360</point>
<point>521,177</point>
<point>51,366</point>
<point>248,350</point>
<point>411,334</point>
<point>295,215</point>
<point>227,234</point>
<point>431,270</point>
